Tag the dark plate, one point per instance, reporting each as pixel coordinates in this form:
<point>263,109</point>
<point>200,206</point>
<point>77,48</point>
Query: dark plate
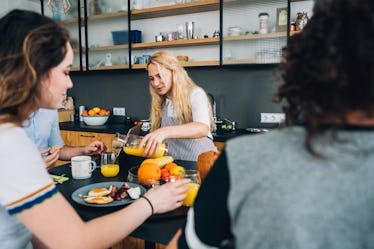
<point>84,190</point>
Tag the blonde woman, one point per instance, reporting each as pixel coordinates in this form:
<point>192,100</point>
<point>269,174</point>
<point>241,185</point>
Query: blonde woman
<point>180,111</point>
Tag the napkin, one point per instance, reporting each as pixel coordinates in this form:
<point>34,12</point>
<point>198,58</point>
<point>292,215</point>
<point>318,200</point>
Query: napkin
<point>59,179</point>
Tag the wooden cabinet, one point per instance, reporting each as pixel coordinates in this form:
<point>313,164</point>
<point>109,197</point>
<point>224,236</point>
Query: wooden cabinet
<point>80,138</point>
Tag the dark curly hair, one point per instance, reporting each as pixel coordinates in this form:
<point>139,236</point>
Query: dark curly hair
<point>327,70</point>
<point>30,46</point>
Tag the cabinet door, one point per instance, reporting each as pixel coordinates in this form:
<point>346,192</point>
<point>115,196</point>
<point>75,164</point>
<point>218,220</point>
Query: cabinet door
<point>78,138</point>
<point>183,26</point>
<point>107,34</point>
<point>254,32</point>
<point>69,19</point>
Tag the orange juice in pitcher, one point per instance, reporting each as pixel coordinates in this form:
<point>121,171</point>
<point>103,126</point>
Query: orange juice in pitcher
<point>132,147</point>
<point>134,150</point>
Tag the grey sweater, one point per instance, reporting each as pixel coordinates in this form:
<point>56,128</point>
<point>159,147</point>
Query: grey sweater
<point>282,197</point>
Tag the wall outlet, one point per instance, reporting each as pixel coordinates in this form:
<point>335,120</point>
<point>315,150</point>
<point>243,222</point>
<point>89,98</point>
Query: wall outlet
<point>272,117</point>
<point>119,111</point>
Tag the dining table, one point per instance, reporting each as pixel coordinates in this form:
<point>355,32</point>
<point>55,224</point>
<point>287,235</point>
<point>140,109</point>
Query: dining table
<point>159,228</point>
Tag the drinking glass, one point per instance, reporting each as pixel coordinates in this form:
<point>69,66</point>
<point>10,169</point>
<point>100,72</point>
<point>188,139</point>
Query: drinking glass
<point>193,186</point>
<point>109,164</point>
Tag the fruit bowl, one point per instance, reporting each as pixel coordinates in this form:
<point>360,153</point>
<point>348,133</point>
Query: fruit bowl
<point>132,176</point>
<point>95,120</point>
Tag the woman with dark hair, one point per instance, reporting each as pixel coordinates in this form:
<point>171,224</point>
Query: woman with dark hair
<point>35,62</point>
<point>309,184</point>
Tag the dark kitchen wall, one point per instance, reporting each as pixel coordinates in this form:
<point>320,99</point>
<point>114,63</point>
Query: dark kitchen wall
<point>241,93</point>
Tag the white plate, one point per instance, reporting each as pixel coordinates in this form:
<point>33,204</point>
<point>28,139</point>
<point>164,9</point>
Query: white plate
<point>84,191</point>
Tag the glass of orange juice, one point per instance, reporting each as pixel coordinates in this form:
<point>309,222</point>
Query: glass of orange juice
<point>193,186</point>
<point>132,147</point>
<point>109,164</point>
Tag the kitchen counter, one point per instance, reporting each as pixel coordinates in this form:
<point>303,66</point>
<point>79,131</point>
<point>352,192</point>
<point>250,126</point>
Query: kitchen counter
<point>122,128</point>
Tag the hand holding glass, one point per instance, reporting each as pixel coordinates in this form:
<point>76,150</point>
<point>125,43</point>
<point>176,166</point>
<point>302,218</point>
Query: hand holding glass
<point>132,147</point>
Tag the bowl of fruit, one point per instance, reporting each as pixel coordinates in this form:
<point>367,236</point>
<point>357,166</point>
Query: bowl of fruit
<point>156,171</point>
<point>95,116</point>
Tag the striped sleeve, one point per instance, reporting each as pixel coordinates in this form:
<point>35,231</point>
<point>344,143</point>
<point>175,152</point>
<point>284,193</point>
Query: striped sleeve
<point>24,180</point>
<point>31,199</point>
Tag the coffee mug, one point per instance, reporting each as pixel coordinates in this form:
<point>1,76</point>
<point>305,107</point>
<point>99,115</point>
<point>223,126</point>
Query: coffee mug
<point>146,125</point>
<point>82,167</point>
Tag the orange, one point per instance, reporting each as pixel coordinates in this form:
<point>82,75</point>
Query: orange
<point>149,173</point>
<point>91,112</point>
<point>102,112</point>
<point>168,166</point>
<point>85,113</point>
<point>96,109</point>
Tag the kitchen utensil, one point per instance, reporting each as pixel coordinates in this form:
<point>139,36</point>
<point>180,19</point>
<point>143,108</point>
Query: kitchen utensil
<point>190,30</point>
<point>121,140</point>
<point>95,120</point>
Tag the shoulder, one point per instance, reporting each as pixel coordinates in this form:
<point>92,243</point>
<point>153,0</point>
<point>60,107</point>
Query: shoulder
<point>44,114</point>
<point>198,95</point>
<point>13,141</point>
<point>25,174</point>
<point>252,152</point>
<point>197,91</point>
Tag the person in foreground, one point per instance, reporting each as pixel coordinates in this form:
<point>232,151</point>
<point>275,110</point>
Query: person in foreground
<point>42,128</point>
<point>308,185</point>
<point>180,111</point>
<point>35,62</point>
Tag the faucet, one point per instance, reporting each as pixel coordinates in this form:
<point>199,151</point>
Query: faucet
<point>213,102</point>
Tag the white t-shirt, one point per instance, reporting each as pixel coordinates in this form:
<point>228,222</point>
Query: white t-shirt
<point>24,182</point>
<point>199,105</point>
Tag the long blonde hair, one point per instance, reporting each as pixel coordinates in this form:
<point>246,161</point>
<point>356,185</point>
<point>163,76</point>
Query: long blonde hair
<point>181,90</point>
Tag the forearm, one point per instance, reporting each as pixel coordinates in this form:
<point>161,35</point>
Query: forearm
<point>189,130</point>
<point>67,230</point>
<point>67,152</point>
<point>123,223</point>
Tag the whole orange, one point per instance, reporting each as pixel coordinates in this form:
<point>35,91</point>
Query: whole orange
<point>91,112</point>
<point>149,173</point>
<point>102,112</point>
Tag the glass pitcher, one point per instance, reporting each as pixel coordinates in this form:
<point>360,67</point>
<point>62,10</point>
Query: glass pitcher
<point>130,145</point>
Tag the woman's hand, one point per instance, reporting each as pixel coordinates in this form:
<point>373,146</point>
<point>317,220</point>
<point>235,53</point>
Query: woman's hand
<point>168,196</point>
<point>153,140</point>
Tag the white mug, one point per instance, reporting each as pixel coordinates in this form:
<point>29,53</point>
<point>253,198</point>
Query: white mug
<point>146,125</point>
<point>82,167</point>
